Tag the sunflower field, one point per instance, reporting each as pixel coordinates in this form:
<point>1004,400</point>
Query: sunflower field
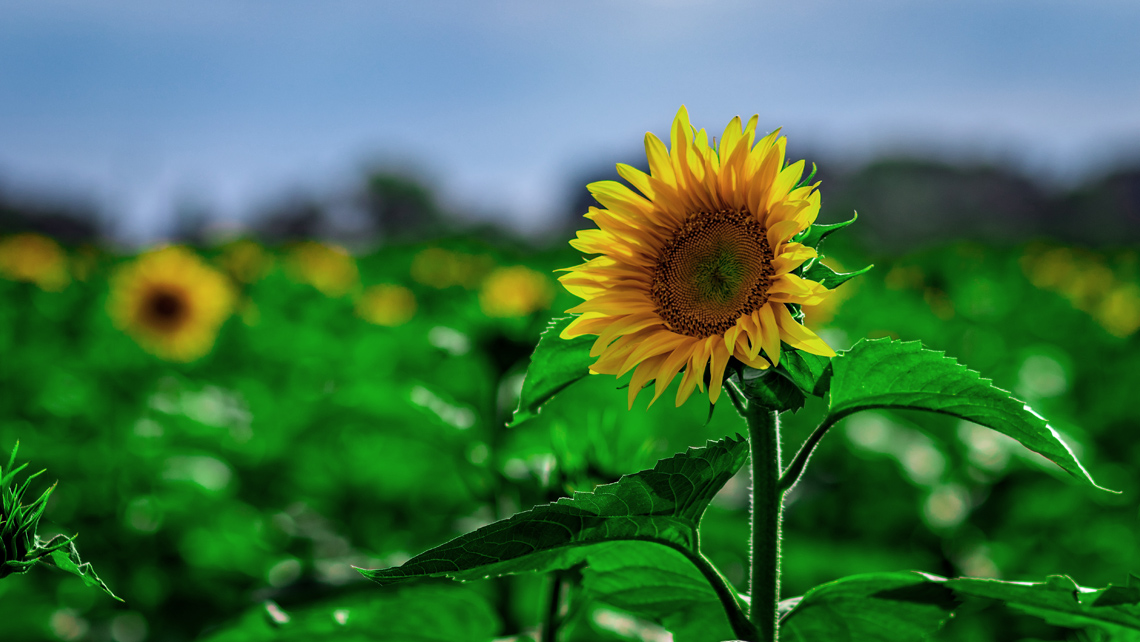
<point>242,435</point>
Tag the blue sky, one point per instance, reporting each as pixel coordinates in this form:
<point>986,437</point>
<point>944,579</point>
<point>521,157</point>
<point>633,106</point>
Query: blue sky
<point>228,103</point>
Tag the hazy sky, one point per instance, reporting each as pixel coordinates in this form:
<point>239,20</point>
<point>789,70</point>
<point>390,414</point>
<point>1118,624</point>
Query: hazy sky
<point>226,103</point>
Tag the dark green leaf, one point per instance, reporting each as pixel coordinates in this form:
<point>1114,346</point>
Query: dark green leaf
<point>885,373</point>
<point>785,386</point>
<point>877,607</point>
<point>427,614</point>
<point>770,390</point>
<point>1060,602</point>
<point>555,364</point>
<point>813,235</point>
<point>829,278</point>
<point>66,558</point>
<point>657,583</point>
<point>662,505</point>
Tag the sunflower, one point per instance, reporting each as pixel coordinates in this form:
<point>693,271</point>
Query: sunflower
<point>328,268</point>
<point>697,268</point>
<point>171,302</point>
<point>245,261</point>
<point>387,304</point>
<point>514,292</point>
<point>36,259</point>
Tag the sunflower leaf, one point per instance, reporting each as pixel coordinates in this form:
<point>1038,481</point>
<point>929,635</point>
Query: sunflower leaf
<point>657,583</point>
<point>829,278</point>
<point>663,505</point>
<point>786,386</point>
<point>897,375</point>
<point>876,607</point>
<point>555,364</point>
<point>815,234</point>
<point>771,390</point>
<point>1060,602</point>
<point>422,613</point>
<point>65,557</point>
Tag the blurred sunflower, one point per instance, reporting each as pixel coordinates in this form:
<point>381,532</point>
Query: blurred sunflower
<point>514,292</point>
<point>35,259</point>
<point>440,268</point>
<point>171,302</point>
<point>245,261</point>
<point>696,269</point>
<point>328,268</point>
<point>387,305</point>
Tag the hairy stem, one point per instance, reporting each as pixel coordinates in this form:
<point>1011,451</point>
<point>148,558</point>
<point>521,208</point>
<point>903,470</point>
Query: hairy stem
<point>799,462</point>
<point>767,510</point>
<point>741,626</point>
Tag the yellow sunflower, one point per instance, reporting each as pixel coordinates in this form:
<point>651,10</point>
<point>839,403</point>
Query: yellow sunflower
<point>328,268</point>
<point>514,292</point>
<point>171,302</point>
<point>34,258</point>
<point>387,304</point>
<point>246,261</point>
<point>697,268</point>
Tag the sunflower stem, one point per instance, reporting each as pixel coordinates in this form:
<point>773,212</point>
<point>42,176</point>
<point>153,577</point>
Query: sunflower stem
<point>552,618</point>
<point>767,511</point>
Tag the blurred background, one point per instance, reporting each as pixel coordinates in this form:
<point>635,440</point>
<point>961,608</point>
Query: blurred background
<point>366,205</point>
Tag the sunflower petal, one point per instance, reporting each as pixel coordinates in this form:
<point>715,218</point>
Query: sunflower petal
<point>798,336</point>
<point>770,332</point>
<point>720,356</point>
<point>660,166</point>
<point>670,367</point>
<point>645,371</point>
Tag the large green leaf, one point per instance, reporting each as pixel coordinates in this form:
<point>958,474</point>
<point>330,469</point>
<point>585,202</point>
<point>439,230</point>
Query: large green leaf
<point>555,364</point>
<point>1060,602</point>
<point>877,607</point>
<point>659,584</point>
<point>886,373</point>
<point>423,614</point>
<point>662,505</point>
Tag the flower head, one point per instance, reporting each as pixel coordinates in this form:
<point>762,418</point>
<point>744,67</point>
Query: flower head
<point>514,292</point>
<point>387,305</point>
<point>34,258</point>
<point>171,302</point>
<point>697,268</point>
<point>328,268</point>
<point>246,261</point>
<point>439,268</point>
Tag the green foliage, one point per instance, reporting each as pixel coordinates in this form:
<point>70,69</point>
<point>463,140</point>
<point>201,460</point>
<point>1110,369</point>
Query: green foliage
<point>555,364</point>
<point>1114,611</point>
<point>877,607</point>
<point>427,613</point>
<point>663,505</point>
<point>815,234</point>
<point>904,376</point>
<point>829,278</point>
<point>659,584</point>
<point>786,387</point>
<point>310,441</point>
<point>21,547</point>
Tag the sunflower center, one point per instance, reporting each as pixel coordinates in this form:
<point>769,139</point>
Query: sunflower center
<point>713,271</point>
<point>165,309</point>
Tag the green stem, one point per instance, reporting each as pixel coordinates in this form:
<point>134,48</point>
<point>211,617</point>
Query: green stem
<point>767,510</point>
<point>799,462</point>
<point>551,620</point>
<point>741,627</point>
